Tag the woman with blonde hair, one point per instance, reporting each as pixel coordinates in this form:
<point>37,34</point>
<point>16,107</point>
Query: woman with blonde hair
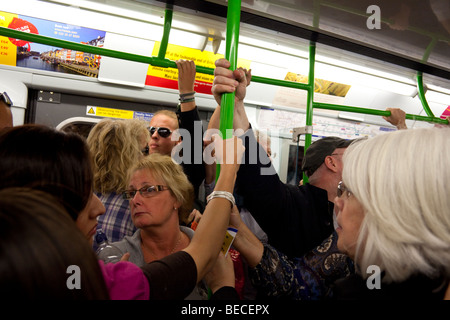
<point>161,199</point>
<point>116,145</point>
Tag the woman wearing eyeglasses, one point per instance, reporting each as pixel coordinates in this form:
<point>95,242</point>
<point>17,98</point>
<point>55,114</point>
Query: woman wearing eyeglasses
<point>160,197</point>
<point>393,224</point>
<point>393,216</point>
<point>61,166</point>
<point>116,145</point>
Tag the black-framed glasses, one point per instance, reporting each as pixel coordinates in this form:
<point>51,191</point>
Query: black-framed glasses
<point>6,99</point>
<point>341,189</point>
<point>146,150</point>
<point>163,132</point>
<point>145,191</point>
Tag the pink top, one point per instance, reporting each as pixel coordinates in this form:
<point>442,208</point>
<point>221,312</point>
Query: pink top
<point>125,281</point>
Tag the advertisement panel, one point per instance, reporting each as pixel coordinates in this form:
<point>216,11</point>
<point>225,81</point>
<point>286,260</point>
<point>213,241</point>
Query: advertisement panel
<point>21,53</point>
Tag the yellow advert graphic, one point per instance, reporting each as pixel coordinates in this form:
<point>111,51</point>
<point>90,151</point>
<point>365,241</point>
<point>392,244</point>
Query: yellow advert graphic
<point>320,85</point>
<point>168,77</point>
<point>109,112</point>
<point>8,51</point>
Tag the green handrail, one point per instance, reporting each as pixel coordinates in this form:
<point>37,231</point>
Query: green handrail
<point>154,61</point>
<point>168,15</point>
<point>376,112</point>
<point>421,93</point>
<point>281,83</point>
<point>310,98</point>
<point>165,63</point>
<point>231,49</point>
<point>231,54</point>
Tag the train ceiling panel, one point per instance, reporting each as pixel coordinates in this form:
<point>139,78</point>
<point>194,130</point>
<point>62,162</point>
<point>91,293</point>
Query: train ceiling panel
<point>408,33</point>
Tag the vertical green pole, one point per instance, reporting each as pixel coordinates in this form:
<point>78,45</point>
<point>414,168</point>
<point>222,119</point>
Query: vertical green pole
<point>310,98</point>
<point>231,49</point>
<point>167,26</point>
<point>231,54</point>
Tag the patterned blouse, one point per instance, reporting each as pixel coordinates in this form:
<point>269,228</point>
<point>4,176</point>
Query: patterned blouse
<point>306,278</point>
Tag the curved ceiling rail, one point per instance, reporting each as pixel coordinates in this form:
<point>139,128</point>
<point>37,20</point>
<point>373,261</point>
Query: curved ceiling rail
<point>165,63</point>
<point>233,21</point>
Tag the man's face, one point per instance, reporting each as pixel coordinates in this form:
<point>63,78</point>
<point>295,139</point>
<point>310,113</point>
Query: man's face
<point>160,144</point>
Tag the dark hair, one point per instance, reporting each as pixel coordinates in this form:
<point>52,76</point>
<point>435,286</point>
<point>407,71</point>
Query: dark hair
<point>38,242</point>
<point>41,157</point>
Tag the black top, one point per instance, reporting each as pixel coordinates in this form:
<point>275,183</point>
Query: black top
<point>354,287</point>
<point>296,219</point>
<point>175,276</point>
<point>193,162</point>
<point>171,278</point>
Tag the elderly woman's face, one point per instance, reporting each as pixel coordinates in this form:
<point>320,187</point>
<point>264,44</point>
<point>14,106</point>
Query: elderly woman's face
<point>151,209</point>
<point>350,214</point>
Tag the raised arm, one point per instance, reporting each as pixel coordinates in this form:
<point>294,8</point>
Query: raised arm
<point>186,81</point>
<point>209,235</point>
<point>397,118</point>
<point>189,119</point>
<point>245,241</point>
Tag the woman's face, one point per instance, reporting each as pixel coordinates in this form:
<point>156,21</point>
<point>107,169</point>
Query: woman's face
<point>350,215</point>
<point>155,208</point>
<point>87,219</point>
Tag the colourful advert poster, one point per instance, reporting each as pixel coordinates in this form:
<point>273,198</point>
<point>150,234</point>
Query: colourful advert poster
<point>446,113</point>
<point>20,53</point>
<point>168,77</point>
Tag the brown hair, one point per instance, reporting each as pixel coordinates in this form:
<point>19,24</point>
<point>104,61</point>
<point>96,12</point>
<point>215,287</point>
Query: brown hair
<point>38,244</point>
<point>44,158</point>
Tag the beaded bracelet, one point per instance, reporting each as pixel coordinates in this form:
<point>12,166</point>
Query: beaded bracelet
<point>221,194</point>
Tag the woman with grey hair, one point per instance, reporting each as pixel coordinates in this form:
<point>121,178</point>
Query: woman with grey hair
<point>393,216</point>
<point>393,221</point>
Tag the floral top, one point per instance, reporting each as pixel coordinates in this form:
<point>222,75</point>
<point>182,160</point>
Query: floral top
<point>305,278</point>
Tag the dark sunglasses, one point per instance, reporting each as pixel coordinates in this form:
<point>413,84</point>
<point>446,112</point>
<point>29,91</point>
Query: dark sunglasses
<point>162,132</point>
<point>146,192</point>
<point>341,189</point>
<point>6,99</point>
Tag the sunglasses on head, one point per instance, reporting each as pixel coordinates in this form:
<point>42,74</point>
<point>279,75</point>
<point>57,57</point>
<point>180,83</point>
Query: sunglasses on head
<point>162,132</point>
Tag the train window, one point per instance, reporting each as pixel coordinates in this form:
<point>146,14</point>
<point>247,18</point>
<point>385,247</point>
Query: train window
<point>79,125</point>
